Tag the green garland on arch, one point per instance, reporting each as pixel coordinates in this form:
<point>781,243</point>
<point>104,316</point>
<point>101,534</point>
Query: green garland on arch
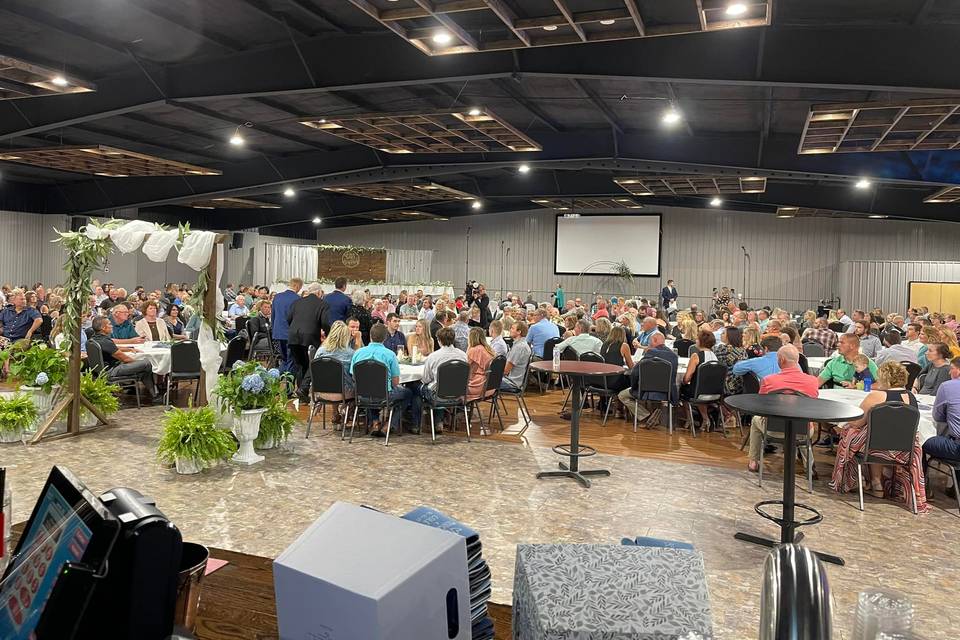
<point>349,247</point>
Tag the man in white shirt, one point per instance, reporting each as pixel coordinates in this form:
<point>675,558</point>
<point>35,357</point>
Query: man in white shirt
<point>582,340</point>
<point>845,320</point>
<point>895,350</point>
<point>497,343</point>
<point>427,312</point>
<point>238,308</point>
<point>518,358</point>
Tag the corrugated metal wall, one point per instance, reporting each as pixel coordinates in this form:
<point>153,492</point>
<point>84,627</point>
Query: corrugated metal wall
<point>794,262</point>
<point>868,283</point>
<point>27,254</point>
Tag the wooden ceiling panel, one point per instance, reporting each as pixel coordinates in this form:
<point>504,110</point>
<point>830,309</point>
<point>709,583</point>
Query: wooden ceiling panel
<point>585,202</point>
<point>21,79</point>
<point>691,185</point>
<point>100,160</point>
<point>403,191</point>
<point>231,203</point>
<point>947,195</point>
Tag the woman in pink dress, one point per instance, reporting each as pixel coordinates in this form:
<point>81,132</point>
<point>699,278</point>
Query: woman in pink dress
<point>479,357</point>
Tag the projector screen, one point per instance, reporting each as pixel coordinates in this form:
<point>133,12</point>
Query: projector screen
<point>630,238</point>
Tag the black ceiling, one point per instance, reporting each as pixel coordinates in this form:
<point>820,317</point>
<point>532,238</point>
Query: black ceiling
<point>176,78</point>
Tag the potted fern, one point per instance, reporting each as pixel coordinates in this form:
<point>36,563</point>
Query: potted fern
<point>191,440</point>
<point>40,370</point>
<point>17,413</point>
<point>101,394</point>
<point>276,425</point>
<point>247,391</point>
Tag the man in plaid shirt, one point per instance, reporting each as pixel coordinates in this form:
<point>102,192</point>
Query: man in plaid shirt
<point>822,334</point>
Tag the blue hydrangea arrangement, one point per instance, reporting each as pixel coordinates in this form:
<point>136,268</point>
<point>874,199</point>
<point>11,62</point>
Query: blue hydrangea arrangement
<point>248,385</point>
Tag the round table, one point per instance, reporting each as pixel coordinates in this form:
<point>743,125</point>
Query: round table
<point>926,429</point>
<point>794,410</point>
<point>158,354</point>
<point>576,371</point>
<point>410,373</point>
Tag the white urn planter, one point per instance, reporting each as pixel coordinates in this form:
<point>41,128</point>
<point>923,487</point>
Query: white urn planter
<point>8,437</point>
<point>246,427</point>
<point>42,400</point>
<point>188,466</point>
<point>269,443</point>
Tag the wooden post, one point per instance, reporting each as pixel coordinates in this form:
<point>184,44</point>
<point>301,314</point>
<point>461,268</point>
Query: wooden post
<point>210,309</point>
<point>73,384</point>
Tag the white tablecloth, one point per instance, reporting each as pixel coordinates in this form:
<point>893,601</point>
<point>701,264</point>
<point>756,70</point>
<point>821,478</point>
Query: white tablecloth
<point>853,397</point>
<point>815,364</point>
<point>158,355</point>
<point>406,326</point>
<point>410,373</point>
<point>378,289</point>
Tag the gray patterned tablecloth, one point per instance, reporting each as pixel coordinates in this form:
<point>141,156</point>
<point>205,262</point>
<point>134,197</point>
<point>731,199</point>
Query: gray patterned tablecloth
<point>608,592</point>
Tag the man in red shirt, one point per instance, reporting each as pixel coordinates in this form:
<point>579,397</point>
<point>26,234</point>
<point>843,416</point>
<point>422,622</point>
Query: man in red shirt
<point>790,377</point>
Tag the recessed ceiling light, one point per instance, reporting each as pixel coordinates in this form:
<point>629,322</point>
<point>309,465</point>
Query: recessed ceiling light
<point>736,9</point>
<point>441,37</point>
<point>60,81</point>
<point>236,139</point>
<point>289,192</point>
<point>477,204</point>
<point>670,117</point>
<point>608,22</point>
<point>862,183</point>
<point>550,27</point>
<point>381,219</point>
<point>524,168</point>
<point>474,112</point>
<point>716,202</point>
<point>876,216</point>
<point>317,220</point>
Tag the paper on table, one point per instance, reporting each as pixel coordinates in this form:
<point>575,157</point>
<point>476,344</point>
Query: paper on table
<point>213,564</point>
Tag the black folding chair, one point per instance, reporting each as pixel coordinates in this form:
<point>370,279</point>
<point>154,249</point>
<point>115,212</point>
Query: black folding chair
<point>97,365</point>
<point>326,387</point>
<point>371,378</point>
<point>804,366</point>
<point>453,377</point>
<point>597,385</point>
<point>521,403</point>
<point>813,349</point>
<point>682,347</point>
<point>751,384</point>
<point>892,426</point>
<point>837,327</point>
<point>491,391</point>
<point>240,323</point>
<point>236,349</point>
<point>260,346</point>
<point>184,365</point>
<point>948,467</point>
<point>913,371</point>
<point>656,376</point>
<point>707,389</point>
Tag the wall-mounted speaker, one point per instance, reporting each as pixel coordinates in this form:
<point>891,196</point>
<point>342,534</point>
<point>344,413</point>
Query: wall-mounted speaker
<point>237,242</point>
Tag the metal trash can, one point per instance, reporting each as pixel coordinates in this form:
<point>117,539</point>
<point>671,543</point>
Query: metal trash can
<point>193,564</point>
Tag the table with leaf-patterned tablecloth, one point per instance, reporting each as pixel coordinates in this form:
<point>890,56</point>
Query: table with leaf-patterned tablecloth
<point>609,592</point>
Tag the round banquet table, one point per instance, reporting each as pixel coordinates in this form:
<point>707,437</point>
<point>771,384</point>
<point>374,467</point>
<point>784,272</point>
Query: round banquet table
<point>576,371</point>
<point>926,429</point>
<point>410,373</point>
<point>795,411</point>
<point>158,354</point>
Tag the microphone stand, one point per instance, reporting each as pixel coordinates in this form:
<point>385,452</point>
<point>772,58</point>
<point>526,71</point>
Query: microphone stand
<point>466,277</point>
<point>746,268</point>
<point>501,270</point>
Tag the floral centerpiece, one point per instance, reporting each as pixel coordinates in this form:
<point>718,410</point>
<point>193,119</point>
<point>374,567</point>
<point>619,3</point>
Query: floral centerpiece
<point>16,415</point>
<point>191,439</point>
<point>40,370</point>
<point>248,390</point>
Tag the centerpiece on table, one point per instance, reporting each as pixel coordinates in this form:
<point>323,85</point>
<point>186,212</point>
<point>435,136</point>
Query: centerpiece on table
<point>16,415</point>
<point>192,440</point>
<point>248,391</point>
<point>40,371</point>
<point>100,393</point>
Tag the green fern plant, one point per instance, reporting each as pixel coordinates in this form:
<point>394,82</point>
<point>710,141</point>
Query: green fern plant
<point>36,364</point>
<point>16,413</point>
<point>276,424</point>
<point>99,392</point>
<point>192,434</point>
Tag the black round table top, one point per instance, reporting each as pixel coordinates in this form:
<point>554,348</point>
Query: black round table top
<point>578,367</point>
<point>782,405</point>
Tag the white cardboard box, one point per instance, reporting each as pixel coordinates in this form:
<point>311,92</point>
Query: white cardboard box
<point>358,574</point>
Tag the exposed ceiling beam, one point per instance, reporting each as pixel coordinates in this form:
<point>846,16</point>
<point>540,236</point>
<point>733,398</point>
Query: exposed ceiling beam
<point>318,14</point>
<point>236,122</point>
<point>449,24</point>
<point>220,143</point>
<point>675,102</point>
<point>262,8</point>
<point>51,21</point>
<point>598,102</point>
<point>173,17</point>
<point>508,87</point>
<point>725,57</point>
<point>565,12</point>
<point>100,135</point>
<point>636,16</point>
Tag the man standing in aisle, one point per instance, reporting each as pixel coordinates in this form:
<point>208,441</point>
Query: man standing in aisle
<point>669,297</point>
<point>279,328</point>
<point>338,303</point>
<point>304,317</point>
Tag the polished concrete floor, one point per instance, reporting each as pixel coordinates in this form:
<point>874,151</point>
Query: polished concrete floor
<point>489,484</point>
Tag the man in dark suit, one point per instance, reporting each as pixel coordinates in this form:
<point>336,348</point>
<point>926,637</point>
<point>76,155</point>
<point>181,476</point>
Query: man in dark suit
<point>278,321</point>
<point>338,303</point>
<point>304,318</point>
<point>656,349</point>
<point>669,294</point>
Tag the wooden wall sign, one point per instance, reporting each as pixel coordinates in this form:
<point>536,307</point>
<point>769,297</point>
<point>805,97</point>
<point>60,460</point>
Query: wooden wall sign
<point>355,264</point>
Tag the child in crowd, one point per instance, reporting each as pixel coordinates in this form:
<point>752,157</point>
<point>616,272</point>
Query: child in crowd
<point>863,379</point>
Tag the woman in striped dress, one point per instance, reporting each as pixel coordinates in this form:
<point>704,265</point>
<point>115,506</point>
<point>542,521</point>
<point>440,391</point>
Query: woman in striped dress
<point>890,387</point>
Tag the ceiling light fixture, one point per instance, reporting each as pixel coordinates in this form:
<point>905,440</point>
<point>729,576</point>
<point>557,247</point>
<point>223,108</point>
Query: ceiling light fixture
<point>60,81</point>
<point>670,117</point>
<point>236,139</point>
<point>289,192</point>
<point>524,168</point>
<point>862,183</point>
<point>736,9</point>
<point>477,204</point>
<point>608,22</point>
<point>550,27</point>
<point>716,202</point>
<point>441,37</point>
<point>317,220</point>
<point>876,216</point>
<point>474,112</point>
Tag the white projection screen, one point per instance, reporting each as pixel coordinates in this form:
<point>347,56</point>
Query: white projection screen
<point>588,238</point>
